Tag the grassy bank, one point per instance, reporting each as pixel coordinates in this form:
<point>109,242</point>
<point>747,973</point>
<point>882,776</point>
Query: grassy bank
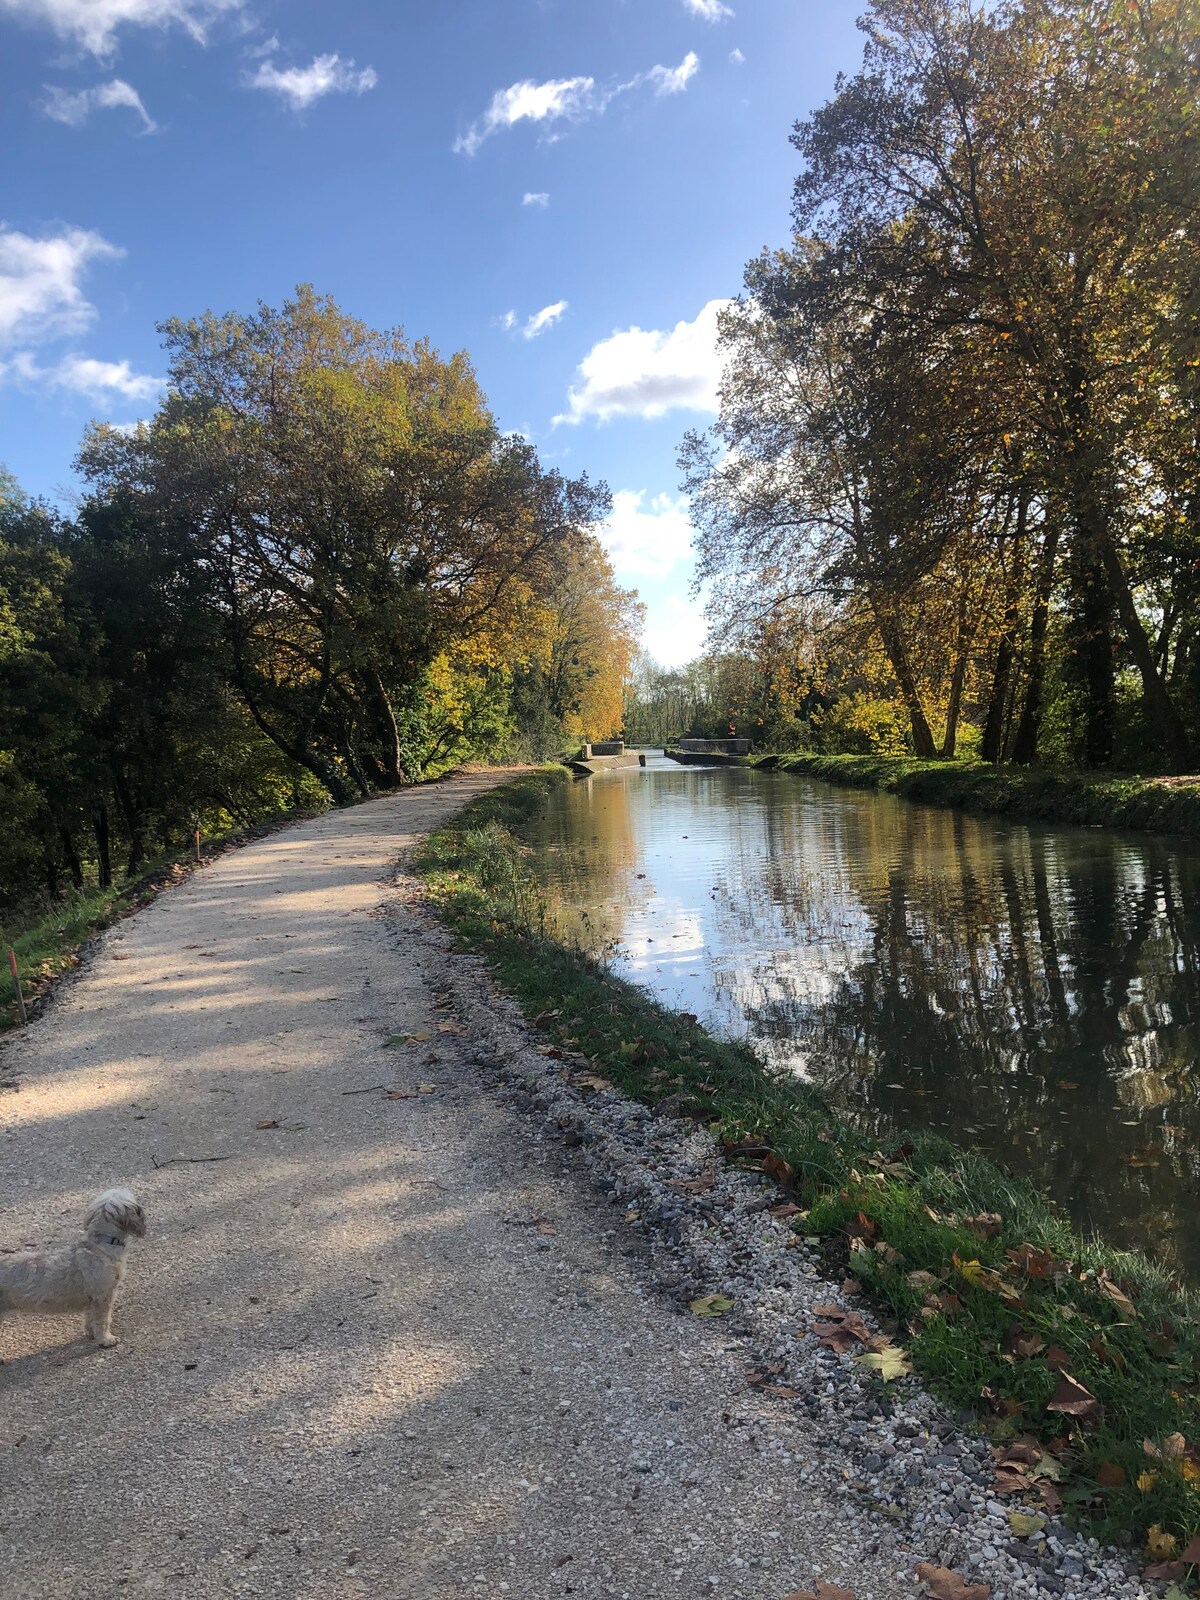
<point>1003,1309</point>
<point>50,944</point>
<point>1153,805</point>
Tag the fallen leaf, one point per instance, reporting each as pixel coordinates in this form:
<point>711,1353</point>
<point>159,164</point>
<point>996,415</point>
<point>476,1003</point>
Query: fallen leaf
<point>985,1226</point>
<point>1023,1523</point>
<point>823,1591</point>
<point>401,1094</point>
<point>1117,1295</point>
<point>1111,1475</point>
<point>406,1038</point>
<point>1073,1400</point>
<point>590,1080</point>
<point>1164,1571</point>
<point>449,1026</point>
<point>1191,1551</point>
<point>1146,1481</point>
<point>788,1209</point>
<point>267,1122</point>
<point>427,1088</point>
<point>546,1227</point>
<point>712,1305</point>
<point>890,1362</point>
<point>1160,1545</point>
<point>943,1584</point>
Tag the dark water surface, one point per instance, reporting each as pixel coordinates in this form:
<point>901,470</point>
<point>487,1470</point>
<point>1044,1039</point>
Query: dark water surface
<point>1031,991</point>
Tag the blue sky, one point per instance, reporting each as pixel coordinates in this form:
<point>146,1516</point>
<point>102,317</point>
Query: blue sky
<point>562,187</point>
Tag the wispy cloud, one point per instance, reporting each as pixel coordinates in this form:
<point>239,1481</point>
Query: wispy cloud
<point>673,80</point>
<point>564,100</point>
<point>98,380</point>
<point>737,58</point>
<point>94,24</point>
<point>302,86</point>
<point>41,293</point>
<point>75,107</point>
<point>543,319</point>
<point>508,321</point>
<point>640,372</point>
<point>708,10</point>
<point>542,200</point>
<point>559,99</point>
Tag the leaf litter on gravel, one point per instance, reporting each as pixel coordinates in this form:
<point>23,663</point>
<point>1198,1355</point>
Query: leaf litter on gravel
<point>941,1583</point>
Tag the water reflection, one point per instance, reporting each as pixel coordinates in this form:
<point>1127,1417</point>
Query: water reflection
<point>1032,991</point>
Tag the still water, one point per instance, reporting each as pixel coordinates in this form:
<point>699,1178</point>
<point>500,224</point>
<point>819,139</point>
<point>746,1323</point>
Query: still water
<point>1031,991</point>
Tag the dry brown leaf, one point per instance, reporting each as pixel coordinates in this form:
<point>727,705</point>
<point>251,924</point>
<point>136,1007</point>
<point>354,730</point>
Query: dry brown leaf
<point>1073,1400</point>
<point>1110,1475</point>
<point>823,1591</point>
<point>985,1226</point>
<point>1117,1295</point>
<point>267,1122</point>
<point>943,1584</point>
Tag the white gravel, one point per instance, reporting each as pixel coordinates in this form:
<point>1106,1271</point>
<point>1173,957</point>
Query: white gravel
<point>392,1347</point>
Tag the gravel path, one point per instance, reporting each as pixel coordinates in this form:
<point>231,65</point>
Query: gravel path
<point>393,1346</point>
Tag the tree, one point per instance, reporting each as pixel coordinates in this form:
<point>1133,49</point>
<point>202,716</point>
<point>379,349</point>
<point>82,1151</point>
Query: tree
<point>354,514</point>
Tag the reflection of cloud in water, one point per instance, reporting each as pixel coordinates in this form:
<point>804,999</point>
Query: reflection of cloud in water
<point>1033,990</point>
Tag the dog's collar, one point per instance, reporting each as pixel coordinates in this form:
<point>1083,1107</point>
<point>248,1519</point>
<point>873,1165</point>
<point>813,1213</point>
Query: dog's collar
<point>110,1238</point>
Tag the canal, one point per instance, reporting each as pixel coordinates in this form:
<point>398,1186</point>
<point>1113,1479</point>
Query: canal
<point>1030,991</point>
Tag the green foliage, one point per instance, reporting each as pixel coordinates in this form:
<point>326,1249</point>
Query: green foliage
<point>990,1279</point>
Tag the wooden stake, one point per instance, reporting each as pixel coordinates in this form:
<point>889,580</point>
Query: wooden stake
<point>16,976</point>
<point>197,844</point>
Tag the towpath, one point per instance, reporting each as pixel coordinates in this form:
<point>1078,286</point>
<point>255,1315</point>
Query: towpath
<point>371,1346</point>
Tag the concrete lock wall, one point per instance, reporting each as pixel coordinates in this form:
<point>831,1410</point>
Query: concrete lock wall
<point>609,747</point>
<point>716,747</point>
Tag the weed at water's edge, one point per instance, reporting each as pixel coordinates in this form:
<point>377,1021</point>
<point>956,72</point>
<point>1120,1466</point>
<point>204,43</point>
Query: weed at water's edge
<point>1001,1298</point>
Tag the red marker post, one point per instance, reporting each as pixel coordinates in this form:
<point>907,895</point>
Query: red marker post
<point>16,977</point>
<point>197,844</point>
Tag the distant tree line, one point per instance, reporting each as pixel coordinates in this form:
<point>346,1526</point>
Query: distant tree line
<point>318,572</point>
<point>955,483</point>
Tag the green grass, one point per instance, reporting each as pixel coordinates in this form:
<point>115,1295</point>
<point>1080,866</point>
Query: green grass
<point>1152,805</point>
<point>916,1220</point>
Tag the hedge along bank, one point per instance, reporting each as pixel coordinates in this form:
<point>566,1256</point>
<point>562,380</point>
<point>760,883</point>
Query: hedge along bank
<point>1081,1363</point>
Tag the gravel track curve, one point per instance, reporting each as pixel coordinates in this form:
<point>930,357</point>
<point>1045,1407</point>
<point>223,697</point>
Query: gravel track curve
<point>390,1347</point>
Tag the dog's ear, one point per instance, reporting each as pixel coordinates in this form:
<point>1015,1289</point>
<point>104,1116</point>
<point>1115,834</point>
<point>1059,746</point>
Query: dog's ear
<point>117,1209</point>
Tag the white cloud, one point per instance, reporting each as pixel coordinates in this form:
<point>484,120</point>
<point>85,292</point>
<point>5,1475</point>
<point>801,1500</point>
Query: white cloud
<point>708,10</point>
<point>542,200</point>
<point>675,631</point>
<point>301,86</point>
<point>99,380</point>
<point>673,80</point>
<point>40,282</point>
<point>559,98</point>
<point>737,58</point>
<point>75,108</point>
<point>642,372</point>
<point>646,541</point>
<point>563,100</point>
<point>94,24</point>
<point>508,321</point>
<point>543,319</point>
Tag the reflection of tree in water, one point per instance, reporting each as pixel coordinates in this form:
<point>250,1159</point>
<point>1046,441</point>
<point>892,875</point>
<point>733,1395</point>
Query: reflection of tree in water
<point>1033,992</point>
<point>587,860</point>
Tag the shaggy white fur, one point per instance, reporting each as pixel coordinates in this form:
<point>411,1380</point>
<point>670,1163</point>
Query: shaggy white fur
<point>81,1276</point>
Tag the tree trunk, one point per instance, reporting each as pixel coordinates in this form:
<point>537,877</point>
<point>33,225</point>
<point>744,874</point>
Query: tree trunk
<point>1092,647</point>
<point>133,823</point>
<point>893,645</point>
<point>103,848</point>
<point>992,742</point>
<point>71,856</point>
<point>1025,744</point>
<point>1162,708</point>
<point>393,766</point>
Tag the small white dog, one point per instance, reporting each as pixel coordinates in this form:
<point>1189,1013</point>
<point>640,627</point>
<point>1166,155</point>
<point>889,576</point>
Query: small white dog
<point>81,1276</point>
